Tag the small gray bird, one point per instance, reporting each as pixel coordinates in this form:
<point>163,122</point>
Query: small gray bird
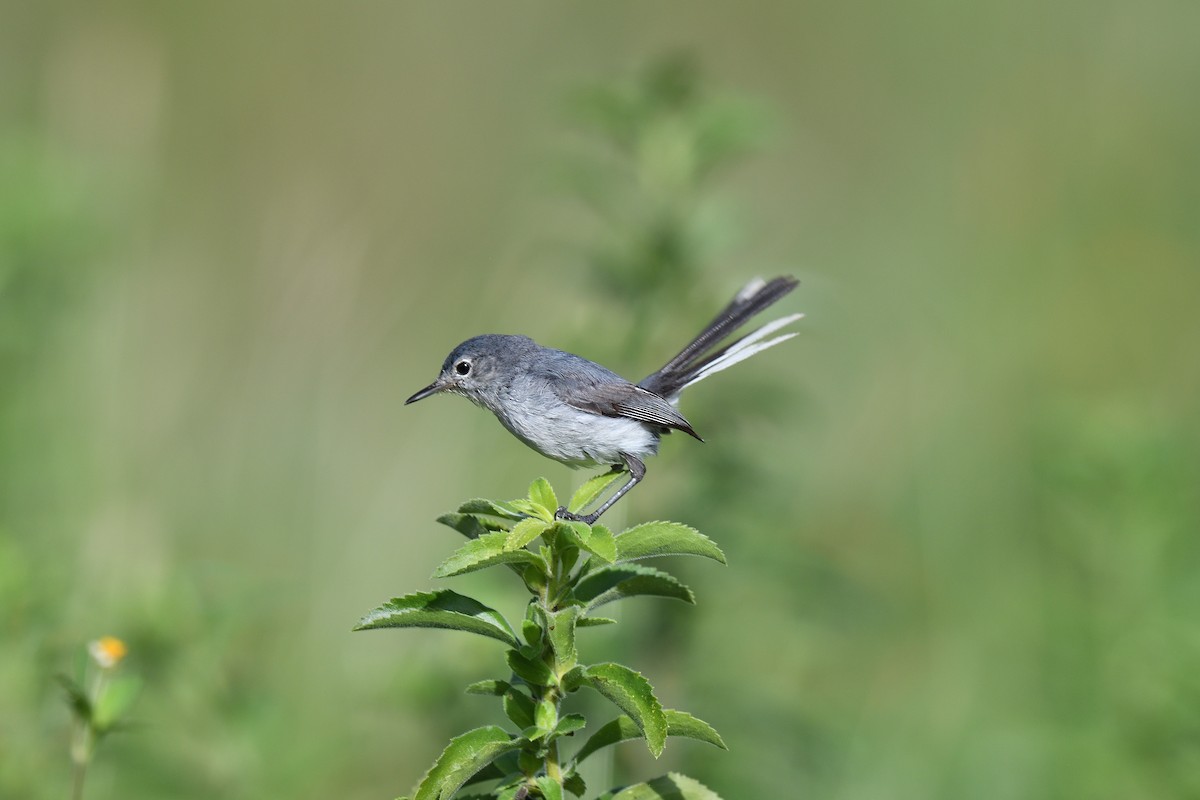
<point>577,412</point>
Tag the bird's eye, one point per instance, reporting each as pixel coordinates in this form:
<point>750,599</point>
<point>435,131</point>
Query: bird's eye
<point>462,367</point>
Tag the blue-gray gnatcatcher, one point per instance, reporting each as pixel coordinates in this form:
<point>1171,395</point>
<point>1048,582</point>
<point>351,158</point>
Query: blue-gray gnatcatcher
<point>577,412</point>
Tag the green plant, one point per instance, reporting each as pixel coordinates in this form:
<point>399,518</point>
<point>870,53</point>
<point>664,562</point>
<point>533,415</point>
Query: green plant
<point>573,572</point>
<point>99,700</point>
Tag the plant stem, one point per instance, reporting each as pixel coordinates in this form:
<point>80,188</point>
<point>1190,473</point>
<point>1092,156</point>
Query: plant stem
<point>553,770</point>
<point>548,602</point>
<point>78,771</point>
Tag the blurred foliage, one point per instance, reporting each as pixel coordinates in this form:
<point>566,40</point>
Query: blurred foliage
<point>650,149</point>
<point>969,485</point>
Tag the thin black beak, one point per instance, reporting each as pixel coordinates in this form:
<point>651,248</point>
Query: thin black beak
<point>431,389</point>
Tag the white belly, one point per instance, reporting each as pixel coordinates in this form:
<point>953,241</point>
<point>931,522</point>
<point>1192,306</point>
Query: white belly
<point>580,439</point>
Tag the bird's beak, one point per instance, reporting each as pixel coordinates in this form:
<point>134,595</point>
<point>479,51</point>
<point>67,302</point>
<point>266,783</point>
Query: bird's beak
<point>431,389</point>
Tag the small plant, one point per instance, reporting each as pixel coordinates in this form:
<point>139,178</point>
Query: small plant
<point>575,571</point>
<point>99,700</point>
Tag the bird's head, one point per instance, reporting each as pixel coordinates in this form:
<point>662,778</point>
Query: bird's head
<point>478,367</point>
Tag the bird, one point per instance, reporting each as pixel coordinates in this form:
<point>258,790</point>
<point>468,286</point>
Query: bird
<point>582,414</point>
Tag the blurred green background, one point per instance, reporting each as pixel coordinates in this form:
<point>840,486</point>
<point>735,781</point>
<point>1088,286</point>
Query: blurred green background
<point>960,510</point>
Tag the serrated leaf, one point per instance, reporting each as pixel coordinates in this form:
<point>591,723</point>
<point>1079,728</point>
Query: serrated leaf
<point>440,609</point>
<point>569,724</point>
<point>562,637</point>
<point>633,694</point>
<point>679,723</point>
<point>603,544</point>
<point>665,539</point>
<point>530,670</point>
<point>542,494</point>
<point>619,581</point>
<point>496,688</point>
<point>672,786</point>
<point>525,532</point>
<point>596,539</point>
<point>594,622</point>
<point>466,524</point>
<point>683,724</point>
<point>489,773</point>
<point>462,758</point>
<point>574,784</point>
<point>532,509</point>
<point>518,707</point>
<point>550,789</point>
<point>492,508</point>
<point>592,488</point>
<point>486,551</point>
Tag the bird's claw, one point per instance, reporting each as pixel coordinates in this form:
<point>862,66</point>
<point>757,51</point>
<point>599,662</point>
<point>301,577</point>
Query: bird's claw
<point>586,519</point>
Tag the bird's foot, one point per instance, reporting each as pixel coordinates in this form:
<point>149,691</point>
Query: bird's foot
<point>563,513</point>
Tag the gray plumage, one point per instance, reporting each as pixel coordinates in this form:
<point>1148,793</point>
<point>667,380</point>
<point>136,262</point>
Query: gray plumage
<point>580,413</point>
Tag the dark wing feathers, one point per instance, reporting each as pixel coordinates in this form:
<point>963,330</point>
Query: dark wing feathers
<point>619,398</point>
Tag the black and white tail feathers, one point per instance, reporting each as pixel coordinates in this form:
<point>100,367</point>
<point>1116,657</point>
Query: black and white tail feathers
<point>698,360</point>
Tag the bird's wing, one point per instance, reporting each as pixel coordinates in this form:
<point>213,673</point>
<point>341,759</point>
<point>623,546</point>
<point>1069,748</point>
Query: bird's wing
<point>626,400</point>
<point>617,397</point>
<point>590,387</point>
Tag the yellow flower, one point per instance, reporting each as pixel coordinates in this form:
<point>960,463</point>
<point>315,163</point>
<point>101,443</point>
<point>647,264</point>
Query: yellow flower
<point>107,651</point>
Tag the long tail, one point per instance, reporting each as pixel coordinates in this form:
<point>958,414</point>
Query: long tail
<point>698,360</point>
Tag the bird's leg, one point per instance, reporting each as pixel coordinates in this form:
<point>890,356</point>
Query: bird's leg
<point>637,471</point>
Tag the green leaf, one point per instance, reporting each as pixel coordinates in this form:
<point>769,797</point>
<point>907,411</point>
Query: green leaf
<point>518,707</point>
<point>596,539</point>
<point>525,532</point>
<point>535,577</point>
<point>594,622</point>
<point>532,509</point>
<point>607,584</point>
<point>541,493</point>
<point>679,723</point>
<point>528,762</point>
<point>562,637</point>
<point>486,551</point>
<point>77,698</point>
<point>633,694</point>
<point>504,766</point>
<point>531,631</point>
<point>592,488</point>
<point>545,715</point>
<point>462,758</point>
<point>550,789</point>
<point>491,508</point>
<point>573,680</point>
<point>466,524</point>
<point>672,786</point>
<point>440,609</point>
<point>496,688</point>
<point>116,699</point>
<point>569,724</point>
<point>665,539</point>
<point>530,670</point>
<point>603,543</point>
<point>574,784</point>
